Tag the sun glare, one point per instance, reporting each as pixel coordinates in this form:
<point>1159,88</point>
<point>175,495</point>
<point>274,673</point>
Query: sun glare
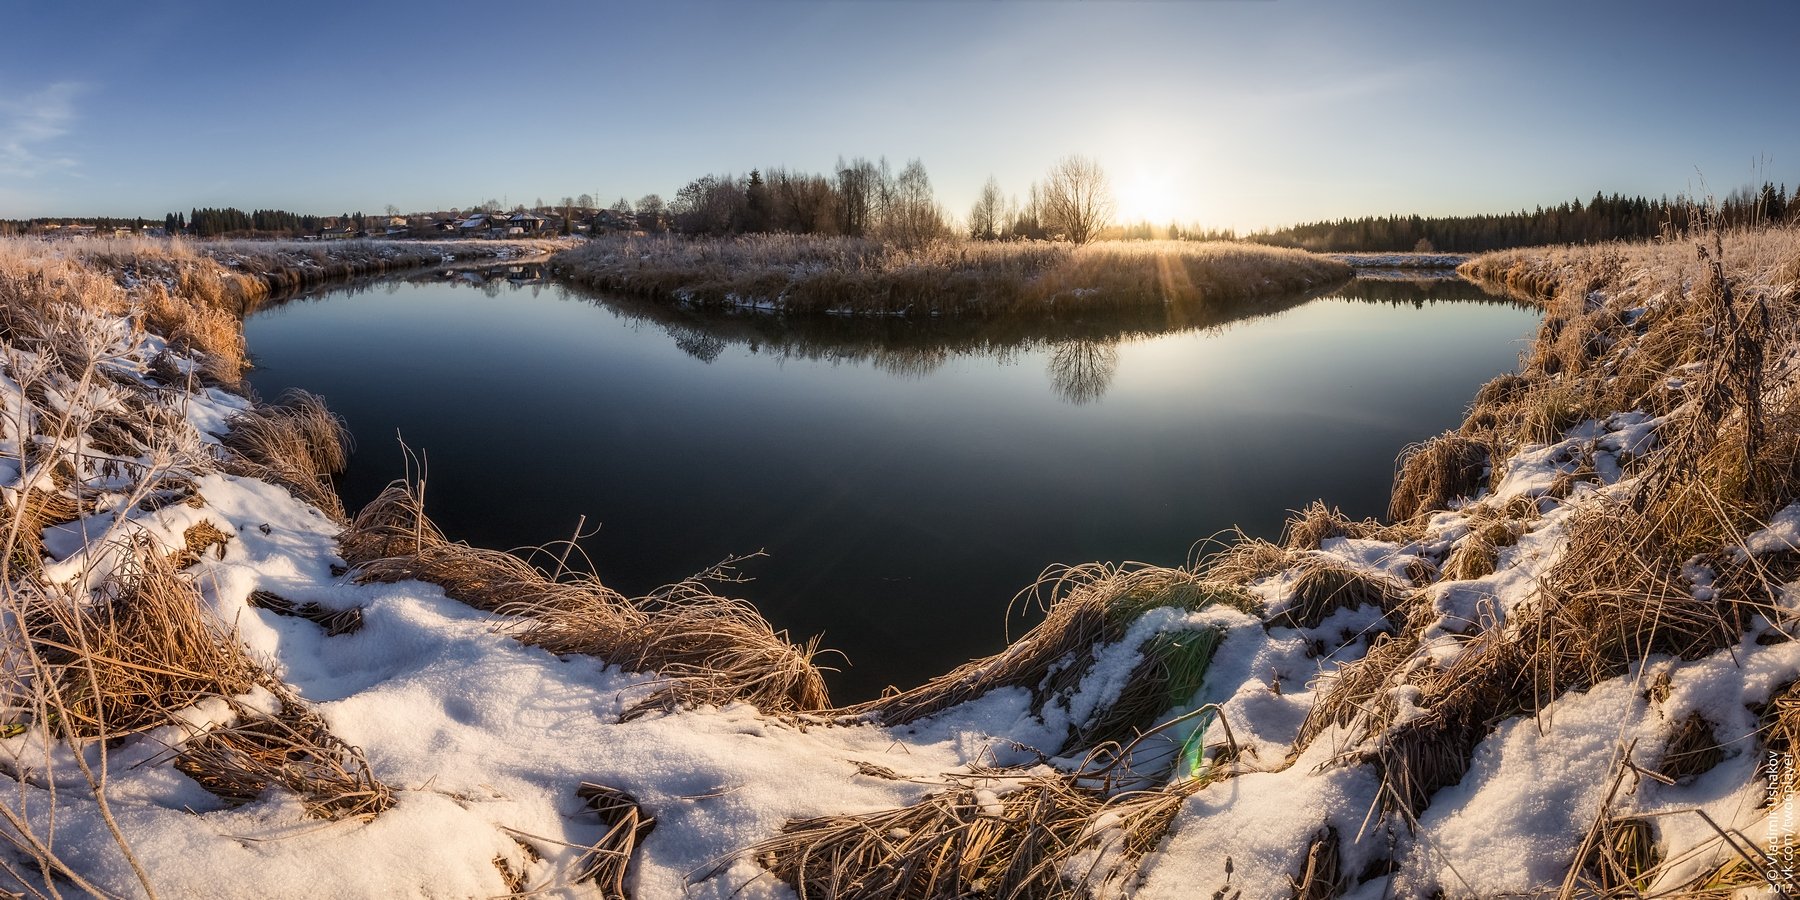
<point>1145,196</point>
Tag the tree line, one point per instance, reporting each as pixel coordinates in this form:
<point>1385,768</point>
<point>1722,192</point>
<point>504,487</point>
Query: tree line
<point>869,199</point>
<point>1604,218</point>
<point>211,222</point>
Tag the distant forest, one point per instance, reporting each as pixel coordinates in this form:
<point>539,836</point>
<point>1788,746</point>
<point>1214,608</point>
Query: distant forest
<point>1603,218</point>
<point>868,199</point>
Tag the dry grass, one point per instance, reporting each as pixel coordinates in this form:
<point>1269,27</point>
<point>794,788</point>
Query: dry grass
<point>199,539</point>
<point>298,444</point>
<point>1003,835</point>
<point>292,748</point>
<point>335,621</point>
<point>31,511</point>
<point>1608,604</point>
<point>1321,874</point>
<point>1620,859</point>
<point>814,274</point>
<point>1322,586</point>
<point>212,332</point>
<point>1088,607</point>
<point>1692,750</point>
<point>711,649</point>
<point>1477,553</point>
<point>1247,560</point>
<point>607,861</point>
<point>1318,523</point>
<point>972,841</point>
<point>141,649</point>
<point>1435,472</point>
<point>1167,677</point>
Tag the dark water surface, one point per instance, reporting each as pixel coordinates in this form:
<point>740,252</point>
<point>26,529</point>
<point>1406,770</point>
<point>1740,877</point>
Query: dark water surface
<point>905,479</point>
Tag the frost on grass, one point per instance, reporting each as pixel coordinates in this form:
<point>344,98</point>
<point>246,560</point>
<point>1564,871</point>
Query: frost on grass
<point>1566,666</point>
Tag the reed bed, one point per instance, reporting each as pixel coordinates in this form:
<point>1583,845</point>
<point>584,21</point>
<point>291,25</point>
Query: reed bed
<point>709,648</point>
<point>816,274</point>
<point>1617,595</point>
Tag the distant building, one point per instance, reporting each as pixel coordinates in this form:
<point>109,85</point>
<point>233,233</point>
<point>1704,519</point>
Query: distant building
<point>527,223</point>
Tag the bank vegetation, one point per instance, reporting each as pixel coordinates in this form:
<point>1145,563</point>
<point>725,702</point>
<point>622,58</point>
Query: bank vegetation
<point>840,275</point>
<point>1557,666</point>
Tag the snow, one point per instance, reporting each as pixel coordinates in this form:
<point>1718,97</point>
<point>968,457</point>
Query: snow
<point>1782,533</point>
<point>485,740</point>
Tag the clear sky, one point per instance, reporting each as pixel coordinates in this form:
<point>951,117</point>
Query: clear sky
<point>1226,112</point>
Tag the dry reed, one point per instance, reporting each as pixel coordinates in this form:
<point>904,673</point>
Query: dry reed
<point>335,621</point>
<point>1435,472</point>
<point>1692,750</point>
<point>1322,586</point>
<point>1321,876</point>
<point>1318,523</point>
<point>1087,607</point>
<point>710,649</point>
<point>606,863</point>
<point>972,841</point>
<point>817,274</point>
<point>291,748</point>
<point>298,444</point>
<point>142,648</point>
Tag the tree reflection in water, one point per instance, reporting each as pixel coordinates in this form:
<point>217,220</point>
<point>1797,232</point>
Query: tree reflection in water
<point>1081,371</point>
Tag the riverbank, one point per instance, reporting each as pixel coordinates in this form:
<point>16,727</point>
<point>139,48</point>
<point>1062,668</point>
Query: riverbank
<point>847,276</point>
<point>1564,659</point>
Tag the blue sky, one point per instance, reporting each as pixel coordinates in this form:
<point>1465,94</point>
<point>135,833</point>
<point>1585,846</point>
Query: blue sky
<point>1242,114</point>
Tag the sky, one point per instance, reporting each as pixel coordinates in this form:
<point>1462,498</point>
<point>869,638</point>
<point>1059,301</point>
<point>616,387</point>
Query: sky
<point>1226,113</point>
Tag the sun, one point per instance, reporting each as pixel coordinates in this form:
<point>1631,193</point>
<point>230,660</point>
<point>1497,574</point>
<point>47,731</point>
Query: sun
<point>1146,196</point>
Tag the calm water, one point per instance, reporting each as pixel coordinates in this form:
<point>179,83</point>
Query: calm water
<point>905,479</point>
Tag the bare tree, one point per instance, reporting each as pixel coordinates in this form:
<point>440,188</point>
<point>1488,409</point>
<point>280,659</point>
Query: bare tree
<point>988,216</point>
<point>1078,200</point>
<point>1081,371</point>
<point>710,204</point>
<point>860,188</point>
<point>911,216</point>
<point>585,201</point>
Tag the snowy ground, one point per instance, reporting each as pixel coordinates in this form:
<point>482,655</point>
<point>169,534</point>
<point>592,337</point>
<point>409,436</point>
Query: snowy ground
<point>487,740</point>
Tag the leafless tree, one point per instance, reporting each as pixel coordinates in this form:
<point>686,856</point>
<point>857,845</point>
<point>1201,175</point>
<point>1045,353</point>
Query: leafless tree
<point>1081,371</point>
<point>585,201</point>
<point>987,218</point>
<point>862,191</point>
<point>911,216</point>
<point>1078,201</point>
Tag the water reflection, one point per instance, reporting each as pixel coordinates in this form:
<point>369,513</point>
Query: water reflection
<point>1082,350</point>
<point>1081,371</point>
<point>906,477</point>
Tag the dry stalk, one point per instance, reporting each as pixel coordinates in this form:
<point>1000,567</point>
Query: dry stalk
<point>292,748</point>
<point>297,444</point>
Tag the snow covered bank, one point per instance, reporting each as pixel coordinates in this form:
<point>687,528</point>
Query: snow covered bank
<point>1565,663</point>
